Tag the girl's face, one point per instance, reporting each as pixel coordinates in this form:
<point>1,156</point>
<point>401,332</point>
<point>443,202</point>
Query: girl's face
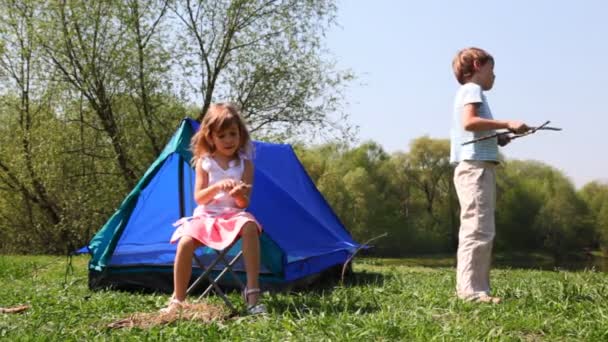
<point>227,141</point>
<point>486,76</point>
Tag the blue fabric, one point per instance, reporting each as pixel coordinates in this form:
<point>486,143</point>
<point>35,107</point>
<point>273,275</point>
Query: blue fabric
<point>299,226</point>
<point>290,208</point>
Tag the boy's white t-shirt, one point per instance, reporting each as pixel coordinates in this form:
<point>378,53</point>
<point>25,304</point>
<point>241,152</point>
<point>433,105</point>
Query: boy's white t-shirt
<point>483,150</point>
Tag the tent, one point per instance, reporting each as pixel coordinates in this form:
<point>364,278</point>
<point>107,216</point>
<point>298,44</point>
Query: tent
<point>302,236</point>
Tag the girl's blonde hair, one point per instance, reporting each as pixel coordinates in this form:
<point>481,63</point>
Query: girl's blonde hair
<point>463,62</point>
<point>219,117</point>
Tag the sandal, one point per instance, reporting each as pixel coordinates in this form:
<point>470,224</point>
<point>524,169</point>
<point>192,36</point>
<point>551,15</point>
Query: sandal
<point>174,305</point>
<point>253,309</point>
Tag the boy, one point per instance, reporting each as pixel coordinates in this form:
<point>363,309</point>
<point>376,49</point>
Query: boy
<point>474,176</point>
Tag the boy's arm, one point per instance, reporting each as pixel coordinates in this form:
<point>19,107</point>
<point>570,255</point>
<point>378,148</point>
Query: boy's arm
<point>471,121</point>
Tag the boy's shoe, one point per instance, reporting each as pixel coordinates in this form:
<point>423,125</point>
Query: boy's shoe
<point>488,299</point>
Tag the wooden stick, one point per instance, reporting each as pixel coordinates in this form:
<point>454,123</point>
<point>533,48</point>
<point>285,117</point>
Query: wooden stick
<point>530,131</point>
<point>15,309</point>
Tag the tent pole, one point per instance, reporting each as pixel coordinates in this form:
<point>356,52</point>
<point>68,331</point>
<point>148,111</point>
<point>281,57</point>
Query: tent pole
<point>180,187</point>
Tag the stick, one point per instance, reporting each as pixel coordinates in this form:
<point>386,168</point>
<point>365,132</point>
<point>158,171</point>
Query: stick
<point>15,309</point>
<point>530,131</point>
<point>357,250</point>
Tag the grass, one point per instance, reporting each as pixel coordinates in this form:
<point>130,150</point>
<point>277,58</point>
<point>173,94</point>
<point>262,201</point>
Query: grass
<point>384,301</point>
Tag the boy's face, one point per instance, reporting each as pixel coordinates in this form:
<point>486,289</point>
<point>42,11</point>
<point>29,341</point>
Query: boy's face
<point>485,75</point>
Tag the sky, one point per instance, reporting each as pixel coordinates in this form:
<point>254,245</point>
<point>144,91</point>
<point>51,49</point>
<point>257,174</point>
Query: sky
<point>551,64</point>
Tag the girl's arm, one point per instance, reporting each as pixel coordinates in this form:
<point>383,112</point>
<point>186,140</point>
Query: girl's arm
<point>473,122</point>
<point>203,193</point>
<point>242,191</point>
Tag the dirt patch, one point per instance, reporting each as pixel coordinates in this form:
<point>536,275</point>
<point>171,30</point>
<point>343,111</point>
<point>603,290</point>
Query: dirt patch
<point>199,312</point>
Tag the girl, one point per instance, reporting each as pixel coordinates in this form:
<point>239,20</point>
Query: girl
<point>224,174</point>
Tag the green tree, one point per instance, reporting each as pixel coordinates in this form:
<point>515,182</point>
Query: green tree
<point>518,201</point>
<point>562,222</point>
<point>266,56</point>
<point>25,106</point>
<point>91,91</point>
<point>87,46</point>
<point>57,158</point>
<point>428,168</point>
<point>429,173</point>
<point>151,60</point>
<point>595,195</point>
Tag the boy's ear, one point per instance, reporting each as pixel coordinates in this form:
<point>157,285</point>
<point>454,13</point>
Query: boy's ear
<point>476,65</point>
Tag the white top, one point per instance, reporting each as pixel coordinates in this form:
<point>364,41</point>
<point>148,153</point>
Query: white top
<point>482,150</point>
<point>222,200</point>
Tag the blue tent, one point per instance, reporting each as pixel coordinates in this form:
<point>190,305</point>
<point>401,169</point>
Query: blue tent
<point>302,236</point>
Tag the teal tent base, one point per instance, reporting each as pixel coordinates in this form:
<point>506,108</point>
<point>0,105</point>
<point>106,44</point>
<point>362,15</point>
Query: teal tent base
<point>160,280</point>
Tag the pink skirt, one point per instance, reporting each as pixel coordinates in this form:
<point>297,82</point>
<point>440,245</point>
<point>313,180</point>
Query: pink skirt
<point>214,230</point>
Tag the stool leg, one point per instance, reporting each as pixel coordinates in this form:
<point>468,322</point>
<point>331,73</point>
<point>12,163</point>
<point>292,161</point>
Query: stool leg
<point>207,271</point>
<point>207,275</point>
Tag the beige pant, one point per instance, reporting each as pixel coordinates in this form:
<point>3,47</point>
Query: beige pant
<point>475,183</point>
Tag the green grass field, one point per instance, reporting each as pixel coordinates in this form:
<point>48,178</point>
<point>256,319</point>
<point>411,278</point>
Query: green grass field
<point>384,301</point>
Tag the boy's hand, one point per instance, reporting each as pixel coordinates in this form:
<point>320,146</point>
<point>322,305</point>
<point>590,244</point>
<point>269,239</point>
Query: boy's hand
<point>503,140</point>
<point>517,127</point>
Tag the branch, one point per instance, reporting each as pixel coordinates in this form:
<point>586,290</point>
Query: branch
<point>149,34</point>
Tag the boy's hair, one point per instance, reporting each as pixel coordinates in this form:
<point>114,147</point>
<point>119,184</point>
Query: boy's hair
<point>463,62</point>
<point>219,116</point>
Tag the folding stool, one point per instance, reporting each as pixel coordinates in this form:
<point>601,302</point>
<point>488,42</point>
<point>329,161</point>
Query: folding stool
<point>207,274</point>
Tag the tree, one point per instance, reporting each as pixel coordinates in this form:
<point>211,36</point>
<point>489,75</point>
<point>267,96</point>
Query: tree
<point>595,195</point>
<point>25,105</point>
<point>143,20</point>
<point>91,91</point>
<point>265,56</point>
<point>428,170</point>
<point>85,43</point>
<point>518,202</point>
<point>562,222</point>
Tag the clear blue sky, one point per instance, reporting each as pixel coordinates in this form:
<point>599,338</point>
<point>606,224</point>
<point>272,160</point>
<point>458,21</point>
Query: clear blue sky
<point>551,64</point>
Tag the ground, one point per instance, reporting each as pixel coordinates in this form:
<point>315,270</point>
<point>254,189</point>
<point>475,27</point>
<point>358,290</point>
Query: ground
<point>385,300</point>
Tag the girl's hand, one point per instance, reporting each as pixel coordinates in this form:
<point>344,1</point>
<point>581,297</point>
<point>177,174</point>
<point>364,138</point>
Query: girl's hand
<point>240,189</point>
<point>226,184</point>
<point>503,139</point>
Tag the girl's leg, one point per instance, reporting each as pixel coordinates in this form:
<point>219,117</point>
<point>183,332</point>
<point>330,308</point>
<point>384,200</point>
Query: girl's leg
<point>251,254</point>
<point>182,269</point>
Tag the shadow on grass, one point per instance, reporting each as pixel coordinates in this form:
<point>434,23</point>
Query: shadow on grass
<point>332,279</point>
<point>329,293</point>
<point>300,304</point>
<point>529,261</point>
<point>421,260</point>
<point>513,260</point>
